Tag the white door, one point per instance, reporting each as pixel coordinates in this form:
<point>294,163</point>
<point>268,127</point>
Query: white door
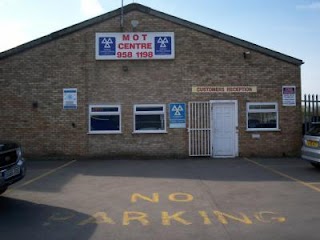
<point>224,124</point>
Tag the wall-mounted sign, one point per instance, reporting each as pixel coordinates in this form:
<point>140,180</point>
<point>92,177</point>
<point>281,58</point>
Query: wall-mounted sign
<point>70,98</point>
<point>221,89</point>
<point>177,115</point>
<point>135,45</point>
<point>288,96</point>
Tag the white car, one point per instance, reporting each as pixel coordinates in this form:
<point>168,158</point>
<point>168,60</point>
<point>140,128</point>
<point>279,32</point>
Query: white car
<point>311,145</point>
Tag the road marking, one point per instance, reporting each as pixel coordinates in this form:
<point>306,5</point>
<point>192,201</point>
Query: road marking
<point>222,217</point>
<point>154,199</point>
<point>97,218</point>
<point>284,175</point>
<point>183,197</point>
<point>314,183</point>
<point>42,176</point>
<point>135,216</point>
<point>261,216</point>
<point>208,217</point>
<point>166,218</point>
<point>173,197</point>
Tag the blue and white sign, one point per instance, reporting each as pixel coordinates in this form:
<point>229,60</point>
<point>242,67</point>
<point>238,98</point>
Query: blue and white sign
<point>163,45</point>
<point>177,115</point>
<point>135,45</point>
<point>70,98</point>
<point>107,46</point>
<point>289,96</point>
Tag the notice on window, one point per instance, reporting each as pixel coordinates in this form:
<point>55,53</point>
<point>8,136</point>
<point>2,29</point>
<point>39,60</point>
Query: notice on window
<point>70,98</point>
<point>288,96</point>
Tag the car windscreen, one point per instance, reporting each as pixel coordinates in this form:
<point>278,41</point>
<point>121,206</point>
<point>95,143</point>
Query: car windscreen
<point>314,130</point>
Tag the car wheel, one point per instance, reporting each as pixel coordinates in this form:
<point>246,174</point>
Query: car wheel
<point>2,190</point>
<point>315,164</point>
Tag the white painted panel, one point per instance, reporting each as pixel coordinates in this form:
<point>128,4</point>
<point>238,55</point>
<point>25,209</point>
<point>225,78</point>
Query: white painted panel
<point>224,129</point>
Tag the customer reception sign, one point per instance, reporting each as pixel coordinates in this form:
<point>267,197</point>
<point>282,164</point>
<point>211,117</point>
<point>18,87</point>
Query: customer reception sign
<point>224,89</point>
<point>135,46</point>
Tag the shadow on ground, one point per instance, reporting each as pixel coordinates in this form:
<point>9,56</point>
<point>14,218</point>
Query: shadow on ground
<point>27,220</point>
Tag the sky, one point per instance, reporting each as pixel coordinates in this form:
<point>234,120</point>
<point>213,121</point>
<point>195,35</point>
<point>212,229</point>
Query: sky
<point>291,27</point>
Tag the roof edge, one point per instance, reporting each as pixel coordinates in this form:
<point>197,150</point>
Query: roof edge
<point>228,38</point>
<point>63,32</point>
<point>135,6</point>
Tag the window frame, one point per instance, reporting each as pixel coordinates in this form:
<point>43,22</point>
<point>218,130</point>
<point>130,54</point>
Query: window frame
<point>111,113</point>
<point>163,112</point>
<point>275,110</point>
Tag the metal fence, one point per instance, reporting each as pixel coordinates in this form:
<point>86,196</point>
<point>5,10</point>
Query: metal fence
<point>199,129</point>
<point>311,111</point>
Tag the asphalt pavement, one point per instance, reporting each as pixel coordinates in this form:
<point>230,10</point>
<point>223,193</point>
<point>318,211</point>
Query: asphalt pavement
<point>196,198</point>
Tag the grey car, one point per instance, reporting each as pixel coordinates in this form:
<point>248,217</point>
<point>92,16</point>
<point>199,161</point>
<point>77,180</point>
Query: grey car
<point>12,164</point>
<point>311,145</point>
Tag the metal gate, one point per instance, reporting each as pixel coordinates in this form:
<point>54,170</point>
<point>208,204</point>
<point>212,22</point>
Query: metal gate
<point>311,109</point>
<point>199,129</point>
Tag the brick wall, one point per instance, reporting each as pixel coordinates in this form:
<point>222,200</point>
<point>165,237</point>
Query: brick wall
<point>38,75</point>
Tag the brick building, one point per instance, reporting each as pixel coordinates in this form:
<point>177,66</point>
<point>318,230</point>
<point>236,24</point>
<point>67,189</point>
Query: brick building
<point>154,86</point>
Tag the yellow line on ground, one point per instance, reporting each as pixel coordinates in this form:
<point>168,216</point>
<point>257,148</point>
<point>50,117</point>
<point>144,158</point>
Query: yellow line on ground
<point>309,185</point>
<point>314,183</point>
<point>42,175</point>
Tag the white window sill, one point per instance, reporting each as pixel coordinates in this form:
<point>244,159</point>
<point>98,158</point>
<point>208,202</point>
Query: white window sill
<point>263,130</point>
<point>149,131</point>
<point>104,132</point>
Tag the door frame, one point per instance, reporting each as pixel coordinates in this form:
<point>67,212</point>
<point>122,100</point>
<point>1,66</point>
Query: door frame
<point>236,121</point>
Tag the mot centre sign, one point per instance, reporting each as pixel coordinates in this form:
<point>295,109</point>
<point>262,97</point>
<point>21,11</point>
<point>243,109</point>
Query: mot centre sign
<point>135,46</point>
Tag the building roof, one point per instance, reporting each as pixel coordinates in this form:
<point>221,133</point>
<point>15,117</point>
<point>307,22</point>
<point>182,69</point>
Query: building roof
<point>152,12</point>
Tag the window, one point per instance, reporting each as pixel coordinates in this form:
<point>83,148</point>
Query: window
<point>104,119</point>
<point>262,116</point>
<point>149,118</point>
<point>314,130</point>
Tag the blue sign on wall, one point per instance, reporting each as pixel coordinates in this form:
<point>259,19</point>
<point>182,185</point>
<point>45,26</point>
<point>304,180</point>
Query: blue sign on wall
<point>70,98</point>
<point>177,115</point>
<point>162,45</point>
<point>107,46</point>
